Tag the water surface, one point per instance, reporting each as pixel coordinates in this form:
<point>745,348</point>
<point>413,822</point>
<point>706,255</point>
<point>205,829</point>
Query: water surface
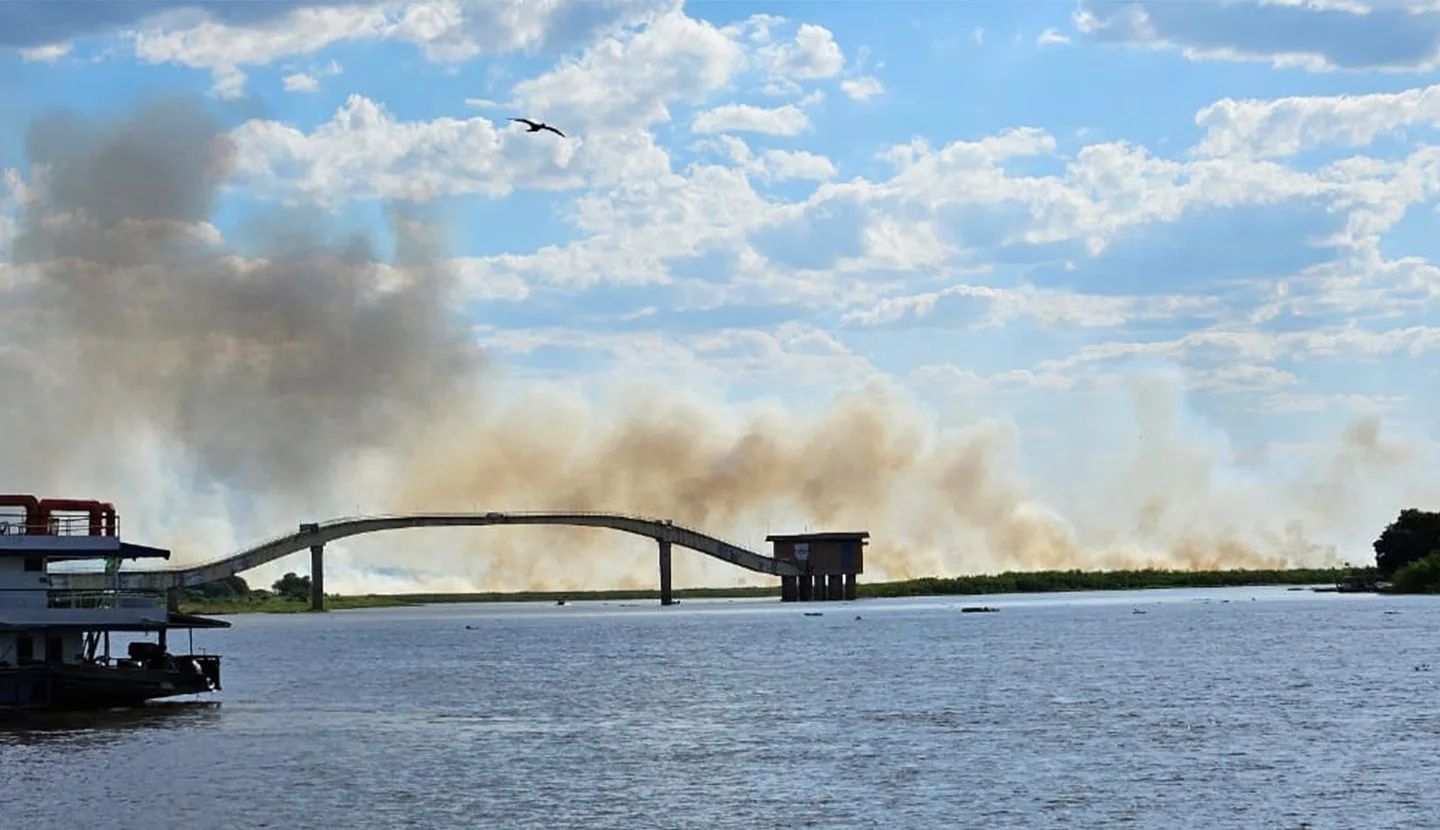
<point>1217,708</point>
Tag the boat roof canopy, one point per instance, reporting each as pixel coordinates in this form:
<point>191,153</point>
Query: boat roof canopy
<point>174,619</point>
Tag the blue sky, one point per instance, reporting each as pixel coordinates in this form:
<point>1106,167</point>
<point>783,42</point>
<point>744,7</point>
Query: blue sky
<point>1160,234</point>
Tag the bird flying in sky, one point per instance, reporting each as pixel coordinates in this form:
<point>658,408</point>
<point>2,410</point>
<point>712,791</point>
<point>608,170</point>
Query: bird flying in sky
<point>535,128</point>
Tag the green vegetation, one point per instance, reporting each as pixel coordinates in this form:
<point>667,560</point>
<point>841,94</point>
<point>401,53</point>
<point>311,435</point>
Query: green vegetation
<point>292,587</point>
<point>264,602</point>
<point>1419,577</point>
<point>1025,582</point>
<point>246,600</point>
<point>1413,536</point>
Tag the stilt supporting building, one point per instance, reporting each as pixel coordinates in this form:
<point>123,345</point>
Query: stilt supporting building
<point>828,564</point>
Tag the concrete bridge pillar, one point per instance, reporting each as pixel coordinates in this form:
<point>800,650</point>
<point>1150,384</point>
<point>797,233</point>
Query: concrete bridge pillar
<point>850,585</point>
<point>667,595</point>
<point>317,577</point>
<point>789,589</point>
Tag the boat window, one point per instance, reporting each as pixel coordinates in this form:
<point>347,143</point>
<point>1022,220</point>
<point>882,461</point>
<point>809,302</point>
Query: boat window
<point>24,649</point>
<point>34,563</point>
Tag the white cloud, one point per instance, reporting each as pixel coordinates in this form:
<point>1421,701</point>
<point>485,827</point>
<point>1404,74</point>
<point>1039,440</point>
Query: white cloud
<point>993,306</point>
<point>863,88</point>
<point>309,81</point>
<point>444,30</point>
<point>300,82</point>
<point>812,55</point>
<point>12,194</point>
<point>1052,37</point>
<point>641,213</point>
<point>364,152</point>
<point>1325,36</point>
<point>628,81</point>
<point>1290,126</point>
<point>783,165</point>
<point>771,164</point>
<point>786,120</point>
<point>48,53</point>
<point>1109,187</point>
<point>792,353</point>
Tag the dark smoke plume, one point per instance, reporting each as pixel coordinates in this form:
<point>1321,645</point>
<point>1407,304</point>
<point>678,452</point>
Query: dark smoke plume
<point>264,370</point>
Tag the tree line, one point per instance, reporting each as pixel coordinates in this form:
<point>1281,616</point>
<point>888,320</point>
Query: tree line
<point>1407,553</point>
<point>288,586</point>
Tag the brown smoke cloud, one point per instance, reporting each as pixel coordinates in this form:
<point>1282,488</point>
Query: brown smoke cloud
<point>220,398</point>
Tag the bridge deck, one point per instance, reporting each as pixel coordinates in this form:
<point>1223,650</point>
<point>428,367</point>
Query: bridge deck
<point>322,533</point>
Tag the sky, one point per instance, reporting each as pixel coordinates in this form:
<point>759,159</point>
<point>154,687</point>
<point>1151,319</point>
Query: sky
<point>1045,284</point>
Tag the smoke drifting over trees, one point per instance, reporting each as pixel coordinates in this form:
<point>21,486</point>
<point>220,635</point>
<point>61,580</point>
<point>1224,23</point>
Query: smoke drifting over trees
<point>220,397</point>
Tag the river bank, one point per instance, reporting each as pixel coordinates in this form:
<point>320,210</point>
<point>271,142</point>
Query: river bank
<point>1005,583</point>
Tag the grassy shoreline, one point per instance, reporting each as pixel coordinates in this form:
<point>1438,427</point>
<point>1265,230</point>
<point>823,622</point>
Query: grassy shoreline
<point>1004,583</point>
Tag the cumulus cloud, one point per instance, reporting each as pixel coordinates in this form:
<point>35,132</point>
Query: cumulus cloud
<point>629,80</point>
<point>862,88</point>
<point>1318,37</point>
<point>812,55</point>
<point>740,118</point>
<point>1293,125</point>
<point>444,30</point>
<point>39,23</point>
<point>364,152</point>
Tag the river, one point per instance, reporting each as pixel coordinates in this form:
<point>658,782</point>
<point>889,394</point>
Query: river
<point>1246,708</point>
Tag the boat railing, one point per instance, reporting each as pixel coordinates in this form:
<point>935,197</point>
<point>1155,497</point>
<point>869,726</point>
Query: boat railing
<point>82,599</point>
<point>15,525</point>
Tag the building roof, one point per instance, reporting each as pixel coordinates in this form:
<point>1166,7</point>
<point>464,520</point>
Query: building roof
<point>837,536</point>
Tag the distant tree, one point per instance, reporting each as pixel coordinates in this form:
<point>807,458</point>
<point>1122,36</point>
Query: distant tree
<point>1410,538</point>
<point>291,586</point>
<point>1419,577</point>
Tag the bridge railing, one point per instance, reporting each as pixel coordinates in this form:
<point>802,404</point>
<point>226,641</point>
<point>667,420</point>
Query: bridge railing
<point>381,517</point>
<point>498,517</point>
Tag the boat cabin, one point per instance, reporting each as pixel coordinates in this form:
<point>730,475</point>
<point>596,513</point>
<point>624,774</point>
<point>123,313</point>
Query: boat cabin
<point>45,630</point>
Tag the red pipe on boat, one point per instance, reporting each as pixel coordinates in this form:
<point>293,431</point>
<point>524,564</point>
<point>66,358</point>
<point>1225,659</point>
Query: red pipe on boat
<point>30,503</point>
<point>107,510</point>
<point>90,506</point>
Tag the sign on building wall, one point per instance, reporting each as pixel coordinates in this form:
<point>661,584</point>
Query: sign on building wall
<point>802,551</point>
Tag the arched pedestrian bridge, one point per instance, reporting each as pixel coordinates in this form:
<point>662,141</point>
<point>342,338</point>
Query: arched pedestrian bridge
<point>316,535</point>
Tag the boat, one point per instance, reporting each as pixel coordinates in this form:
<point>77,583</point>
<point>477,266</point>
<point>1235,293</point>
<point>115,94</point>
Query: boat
<point>55,644</point>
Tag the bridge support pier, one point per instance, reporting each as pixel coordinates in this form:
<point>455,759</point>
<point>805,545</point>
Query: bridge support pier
<point>667,594</point>
<point>835,587</point>
<point>317,577</point>
<point>789,589</point>
<point>850,585</point>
